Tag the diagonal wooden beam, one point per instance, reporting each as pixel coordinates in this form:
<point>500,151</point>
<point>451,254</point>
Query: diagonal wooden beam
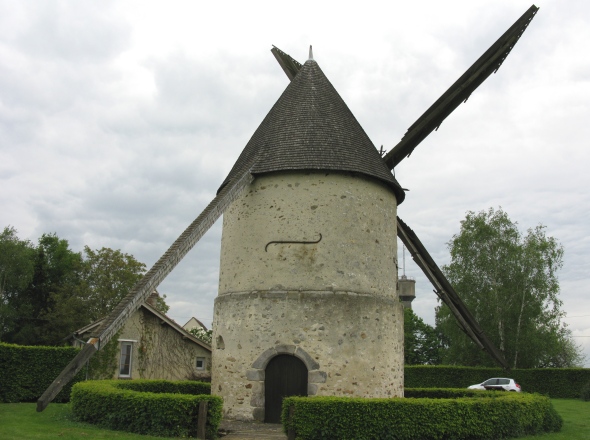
<point>459,92</point>
<point>289,65</point>
<point>446,292</point>
<point>443,288</point>
<point>487,64</point>
<point>142,290</point>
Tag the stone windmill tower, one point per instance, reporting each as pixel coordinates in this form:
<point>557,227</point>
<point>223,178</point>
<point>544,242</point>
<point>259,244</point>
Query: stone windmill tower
<point>308,272</point>
<point>307,296</point>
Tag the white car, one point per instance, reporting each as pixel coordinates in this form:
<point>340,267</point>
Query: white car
<point>497,383</point>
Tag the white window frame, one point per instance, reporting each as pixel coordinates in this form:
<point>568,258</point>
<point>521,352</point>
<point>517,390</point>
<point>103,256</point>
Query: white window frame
<point>203,360</point>
<point>126,343</point>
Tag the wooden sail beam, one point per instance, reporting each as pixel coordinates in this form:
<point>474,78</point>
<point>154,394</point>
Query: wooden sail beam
<point>487,64</point>
<point>289,65</point>
<point>446,292</point>
<point>142,290</point>
<point>459,92</point>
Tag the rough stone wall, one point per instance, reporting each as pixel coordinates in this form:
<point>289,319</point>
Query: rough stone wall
<point>131,331</point>
<point>332,303</point>
<point>355,216</point>
<point>160,352</point>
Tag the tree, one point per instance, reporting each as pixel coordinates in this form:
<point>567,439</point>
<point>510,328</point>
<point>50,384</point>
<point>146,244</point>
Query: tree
<point>421,341</point>
<point>48,291</point>
<point>202,334</point>
<point>160,304</point>
<point>106,278</point>
<point>55,267</point>
<point>509,283</point>
<point>16,272</point>
<point>109,275</point>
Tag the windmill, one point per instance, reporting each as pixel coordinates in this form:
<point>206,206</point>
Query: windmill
<point>250,167</point>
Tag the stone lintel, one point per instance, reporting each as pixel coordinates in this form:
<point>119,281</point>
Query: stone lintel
<point>285,349</point>
<point>260,363</point>
<point>264,358</point>
<point>309,362</point>
<point>255,375</point>
<point>317,376</point>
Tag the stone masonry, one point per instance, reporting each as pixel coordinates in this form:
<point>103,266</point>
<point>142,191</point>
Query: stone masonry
<point>308,269</point>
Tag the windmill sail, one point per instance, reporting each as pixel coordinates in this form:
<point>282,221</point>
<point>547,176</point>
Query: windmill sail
<point>290,65</point>
<point>446,292</point>
<point>141,291</point>
<point>459,92</point>
<point>487,64</point>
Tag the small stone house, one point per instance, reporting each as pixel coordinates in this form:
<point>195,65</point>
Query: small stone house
<point>152,346</point>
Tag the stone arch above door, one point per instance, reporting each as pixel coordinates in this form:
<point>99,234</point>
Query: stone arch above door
<point>257,375</point>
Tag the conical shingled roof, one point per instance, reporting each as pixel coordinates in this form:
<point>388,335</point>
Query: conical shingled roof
<point>310,127</point>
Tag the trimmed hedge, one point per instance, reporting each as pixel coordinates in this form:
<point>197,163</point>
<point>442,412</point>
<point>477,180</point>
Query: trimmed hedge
<point>167,386</point>
<point>153,407</point>
<point>443,393</point>
<point>564,383</point>
<point>28,371</point>
<point>484,415</point>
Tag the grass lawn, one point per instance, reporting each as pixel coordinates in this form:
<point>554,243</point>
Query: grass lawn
<point>576,420</point>
<point>20,421</point>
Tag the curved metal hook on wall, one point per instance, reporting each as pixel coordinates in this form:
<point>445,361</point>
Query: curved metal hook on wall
<point>292,242</point>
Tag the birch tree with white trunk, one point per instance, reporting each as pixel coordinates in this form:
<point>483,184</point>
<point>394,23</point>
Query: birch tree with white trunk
<point>509,281</point>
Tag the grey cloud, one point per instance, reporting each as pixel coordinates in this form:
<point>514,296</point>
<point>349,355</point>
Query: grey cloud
<point>86,153</point>
<point>71,31</point>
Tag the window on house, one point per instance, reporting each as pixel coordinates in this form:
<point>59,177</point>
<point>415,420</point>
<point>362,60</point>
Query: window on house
<point>200,363</point>
<point>125,362</point>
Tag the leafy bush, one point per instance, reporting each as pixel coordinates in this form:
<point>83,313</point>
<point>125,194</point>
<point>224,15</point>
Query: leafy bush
<point>484,415</point>
<point>565,383</point>
<point>167,386</point>
<point>28,371</point>
<point>585,393</point>
<point>553,421</point>
<point>154,407</point>
<point>442,393</point>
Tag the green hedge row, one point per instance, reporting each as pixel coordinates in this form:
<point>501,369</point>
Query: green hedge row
<point>26,372</point>
<point>444,393</point>
<point>485,415</point>
<point>167,386</point>
<point>554,382</point>
<point>146,406</point>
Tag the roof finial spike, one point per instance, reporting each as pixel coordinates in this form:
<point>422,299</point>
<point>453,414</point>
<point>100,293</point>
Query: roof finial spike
<point>310,53</point>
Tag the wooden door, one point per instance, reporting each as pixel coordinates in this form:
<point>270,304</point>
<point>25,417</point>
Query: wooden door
<point>285,375</point>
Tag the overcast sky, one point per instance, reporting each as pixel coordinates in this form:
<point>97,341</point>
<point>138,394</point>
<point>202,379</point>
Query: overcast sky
<point>120,119</point>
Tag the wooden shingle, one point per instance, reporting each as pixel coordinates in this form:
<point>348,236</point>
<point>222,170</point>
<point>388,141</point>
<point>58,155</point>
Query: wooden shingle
<point>310,127</point>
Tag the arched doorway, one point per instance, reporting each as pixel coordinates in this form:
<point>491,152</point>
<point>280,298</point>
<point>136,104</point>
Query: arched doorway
<point>285,375</point>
